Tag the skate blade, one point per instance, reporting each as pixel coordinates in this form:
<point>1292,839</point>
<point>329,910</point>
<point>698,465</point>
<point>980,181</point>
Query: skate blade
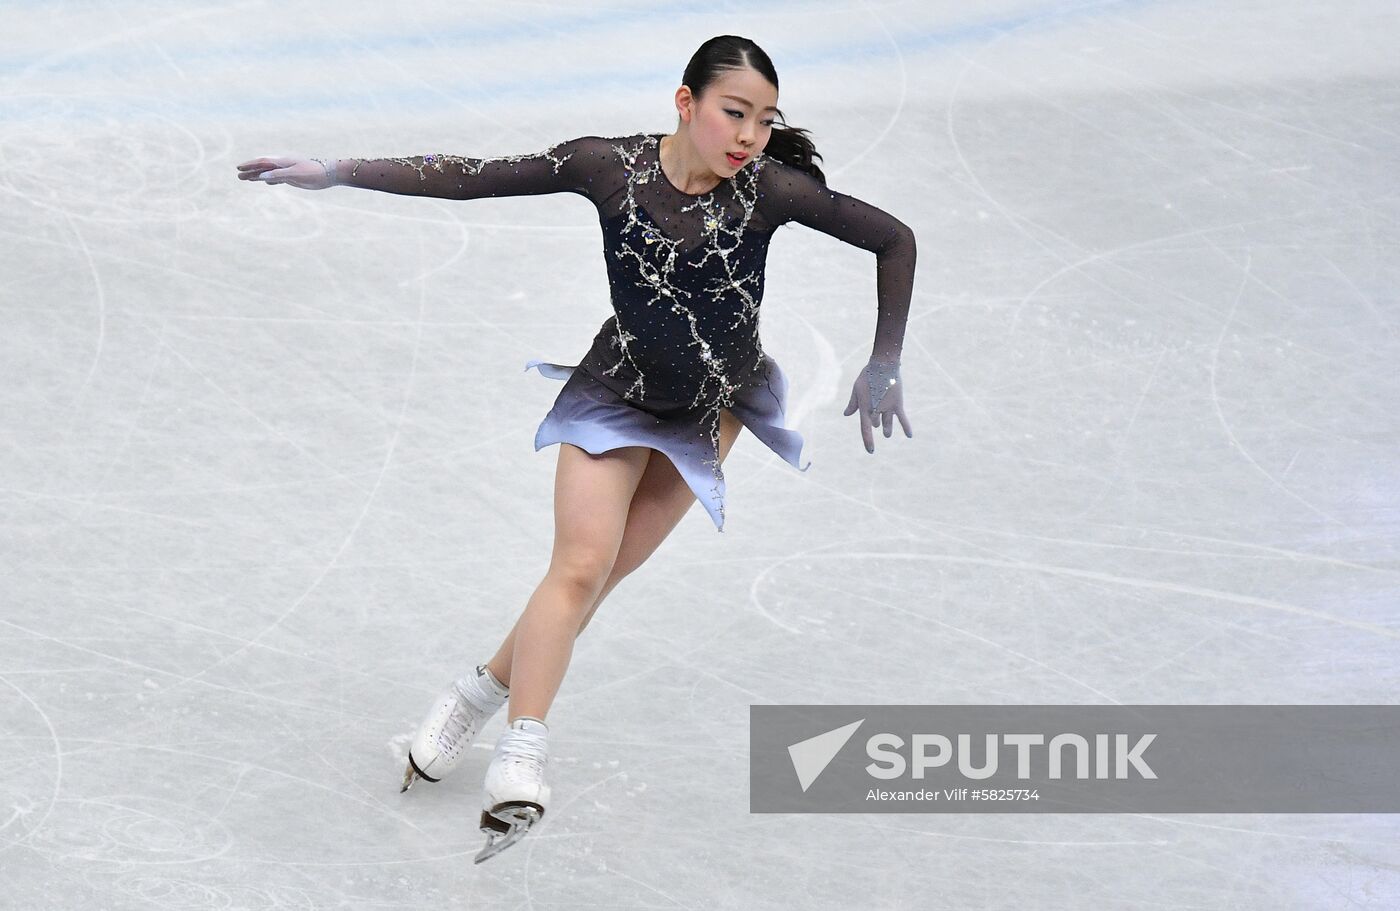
<point>506,825</point>
<point>412,773</point>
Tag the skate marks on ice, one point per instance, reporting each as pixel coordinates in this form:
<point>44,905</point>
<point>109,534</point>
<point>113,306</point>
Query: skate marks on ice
<point>1155,339</point>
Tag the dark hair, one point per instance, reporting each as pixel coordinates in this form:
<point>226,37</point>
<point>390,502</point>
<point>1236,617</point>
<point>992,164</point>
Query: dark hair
<point>722,53</point>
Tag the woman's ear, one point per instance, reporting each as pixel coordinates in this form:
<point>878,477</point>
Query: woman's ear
<point>684,100</point>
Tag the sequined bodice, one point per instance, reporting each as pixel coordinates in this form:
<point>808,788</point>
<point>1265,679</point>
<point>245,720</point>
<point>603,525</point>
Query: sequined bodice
<point>686,277</point>
<point>686,271</point>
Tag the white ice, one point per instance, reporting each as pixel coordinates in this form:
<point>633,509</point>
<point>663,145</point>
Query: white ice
<point>267,480</point>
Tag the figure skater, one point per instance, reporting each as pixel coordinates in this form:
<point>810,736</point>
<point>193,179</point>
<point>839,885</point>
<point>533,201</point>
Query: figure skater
<point>647,416</point>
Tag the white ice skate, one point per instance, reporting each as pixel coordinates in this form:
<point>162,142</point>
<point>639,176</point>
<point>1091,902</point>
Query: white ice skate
<point>452,723</point>
<point>515,795</point>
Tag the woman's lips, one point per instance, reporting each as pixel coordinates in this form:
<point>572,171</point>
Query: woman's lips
<point>736,160</point>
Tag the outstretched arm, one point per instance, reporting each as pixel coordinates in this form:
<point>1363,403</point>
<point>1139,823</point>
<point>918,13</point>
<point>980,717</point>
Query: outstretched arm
<point>566,167</point>
<point>794,195</point>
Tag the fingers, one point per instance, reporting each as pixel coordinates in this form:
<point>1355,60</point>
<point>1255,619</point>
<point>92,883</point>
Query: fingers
<point>259,172</point>
<point>265,162</point>
<point>869,417</point>
<point>869,420</point>
<point>853,407</point>
<point>265,170</point>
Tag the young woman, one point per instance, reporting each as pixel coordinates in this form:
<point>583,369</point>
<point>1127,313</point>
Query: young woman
<point>646,418</point>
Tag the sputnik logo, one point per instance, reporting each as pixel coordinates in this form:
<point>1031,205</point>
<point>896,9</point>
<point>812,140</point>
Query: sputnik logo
<point>810,757</point>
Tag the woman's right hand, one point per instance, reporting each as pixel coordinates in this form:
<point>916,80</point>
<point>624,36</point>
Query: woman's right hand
<point>307,173</point>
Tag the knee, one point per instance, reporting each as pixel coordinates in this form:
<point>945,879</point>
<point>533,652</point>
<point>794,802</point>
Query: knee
<point>584,571</point>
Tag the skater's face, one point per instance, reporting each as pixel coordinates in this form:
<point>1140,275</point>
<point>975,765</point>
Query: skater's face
<point>735,115</point>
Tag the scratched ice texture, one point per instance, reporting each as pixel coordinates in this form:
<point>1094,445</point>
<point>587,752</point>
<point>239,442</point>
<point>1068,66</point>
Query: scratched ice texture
<point>267,480</point>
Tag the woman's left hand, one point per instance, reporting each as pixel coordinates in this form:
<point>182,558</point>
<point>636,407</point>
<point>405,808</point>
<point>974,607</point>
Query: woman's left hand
<point>878,394</point>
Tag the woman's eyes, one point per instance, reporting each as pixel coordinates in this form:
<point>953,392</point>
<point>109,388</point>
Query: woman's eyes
<point>767,123</point>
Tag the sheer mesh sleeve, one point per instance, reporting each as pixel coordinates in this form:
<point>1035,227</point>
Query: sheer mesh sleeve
<point>576,166</point>
<point>791,194</point>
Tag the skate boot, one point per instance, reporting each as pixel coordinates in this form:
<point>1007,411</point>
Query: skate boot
<point>515,795</point>
<point>455,719</point>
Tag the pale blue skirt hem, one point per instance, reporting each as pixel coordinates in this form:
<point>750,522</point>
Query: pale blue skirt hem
<point>588,415</point>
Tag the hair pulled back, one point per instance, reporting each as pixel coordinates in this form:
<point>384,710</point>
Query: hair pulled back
<point>722,53</point>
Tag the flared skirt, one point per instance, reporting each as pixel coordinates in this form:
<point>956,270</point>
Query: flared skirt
<point>594,418</point>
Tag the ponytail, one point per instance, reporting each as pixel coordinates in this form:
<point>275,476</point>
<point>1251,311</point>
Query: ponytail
<point>790,146</point>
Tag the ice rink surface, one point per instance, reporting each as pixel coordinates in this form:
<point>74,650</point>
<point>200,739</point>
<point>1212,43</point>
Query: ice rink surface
<point>267,480</point>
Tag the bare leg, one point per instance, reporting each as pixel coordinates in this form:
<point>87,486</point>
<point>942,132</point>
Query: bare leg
<point>591,499</point>
<point>660,502</point>
<point>661,499</point>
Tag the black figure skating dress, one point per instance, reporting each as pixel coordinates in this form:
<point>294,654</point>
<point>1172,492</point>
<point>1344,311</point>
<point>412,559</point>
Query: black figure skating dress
<point>686,274</point>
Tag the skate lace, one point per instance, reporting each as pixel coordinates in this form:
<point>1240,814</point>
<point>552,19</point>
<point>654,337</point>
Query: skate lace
<point>525,751</point>
<point>460,718</point>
